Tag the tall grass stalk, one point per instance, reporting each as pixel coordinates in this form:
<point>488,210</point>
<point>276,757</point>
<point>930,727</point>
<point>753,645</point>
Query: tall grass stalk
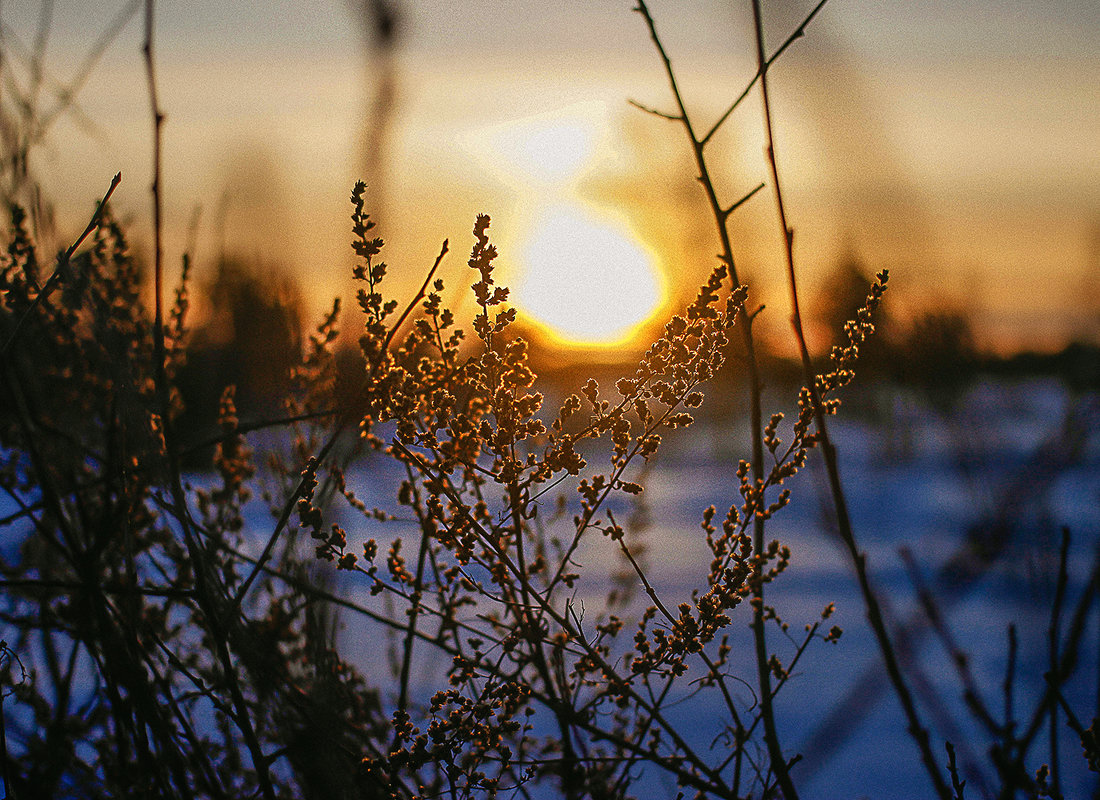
<point>721,217</point>
<point>840,502</point>
<point>209,595</point>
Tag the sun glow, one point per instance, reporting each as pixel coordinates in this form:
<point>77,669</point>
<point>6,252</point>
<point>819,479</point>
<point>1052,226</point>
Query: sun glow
<point>580,275</point>
<point>544,151</point>
<point>551,152</point>
<point>586,280</point>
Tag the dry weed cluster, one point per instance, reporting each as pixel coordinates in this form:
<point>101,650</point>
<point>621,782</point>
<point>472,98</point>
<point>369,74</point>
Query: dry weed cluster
<point>154,649</point>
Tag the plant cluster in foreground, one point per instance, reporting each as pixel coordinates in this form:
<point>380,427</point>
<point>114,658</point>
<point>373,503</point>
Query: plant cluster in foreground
<point>152,647</point>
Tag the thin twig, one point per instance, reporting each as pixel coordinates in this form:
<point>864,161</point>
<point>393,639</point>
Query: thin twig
<point>797,34</point>
<point>418,588</point>
<point>144,591</point>
<point>9,655</point>
<point>655,112</point>
<point>953,771</point>
<point>721,219</point>
<point>284,517</point>
<point>416,298</point>
<point>596,657</point>
<point>840,503</point>
<point>66,95</point>
<point>1068,655</point>
<point>288,507</point>
<point>729,210</point>
<point>971,691</point>
<point>1054,637</point>
<point>209,594</point>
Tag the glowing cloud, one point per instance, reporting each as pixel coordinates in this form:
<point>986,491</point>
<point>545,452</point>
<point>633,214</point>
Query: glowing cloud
<point>551,152</point>
<point>547,150</point>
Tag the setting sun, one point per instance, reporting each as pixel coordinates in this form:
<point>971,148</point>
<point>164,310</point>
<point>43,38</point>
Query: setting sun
<point>581,276</point>
<point>586,280</point>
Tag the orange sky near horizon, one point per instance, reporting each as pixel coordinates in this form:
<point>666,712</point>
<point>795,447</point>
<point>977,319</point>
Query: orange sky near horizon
<point>955,146</point>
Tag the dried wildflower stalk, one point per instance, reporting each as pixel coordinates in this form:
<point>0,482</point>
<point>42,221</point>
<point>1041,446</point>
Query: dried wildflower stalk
<point>842,358</point>
<point>493,586</point>
<point>478,458</point>
<point>143,678</point>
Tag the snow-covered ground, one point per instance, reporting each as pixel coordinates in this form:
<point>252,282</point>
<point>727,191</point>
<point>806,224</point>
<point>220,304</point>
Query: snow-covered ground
<point>979,499</point>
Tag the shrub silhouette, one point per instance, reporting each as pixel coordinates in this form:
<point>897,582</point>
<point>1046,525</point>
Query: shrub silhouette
<point>154,648</point>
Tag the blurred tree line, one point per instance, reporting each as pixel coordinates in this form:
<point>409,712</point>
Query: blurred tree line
<point>936,353</point>
<point>251,339</point>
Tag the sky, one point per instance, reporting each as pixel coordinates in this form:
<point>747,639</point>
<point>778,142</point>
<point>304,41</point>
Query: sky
<point>952,143</point>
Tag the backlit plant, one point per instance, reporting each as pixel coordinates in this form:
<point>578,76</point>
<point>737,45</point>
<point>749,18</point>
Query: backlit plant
<point>157,645</point>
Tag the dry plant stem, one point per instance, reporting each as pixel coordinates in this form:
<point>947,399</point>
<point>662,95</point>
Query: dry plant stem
<point>69,546</point>
<point>107,589</point>
<point>953,771</point>
<point>38,71</point>
<point>1067,658</point>
<point>9,790</point>
<point>1054,637</point>
<point>567,766</point>
<point>721,218</point>
<point>840,503</point>
<point>315,593</point>
<point>1010,754</point>
<point>418,296</point>
<point>3,122</point>
<point>797,34</point>
<point>591,513</point>
<point>208,594</point>
<point>288,508</point>
<point>1009,684</point>
<point>971,692</point>
<point>66,95</point>
<point>251,427</point>
<point>649,590</point>
<point>51,495</point>
<point>158,124</point>
<point>716,784</point>
<point>568,771</point>
<point>414,608</point>
<point>1071,717</point>
<point>341,425</point>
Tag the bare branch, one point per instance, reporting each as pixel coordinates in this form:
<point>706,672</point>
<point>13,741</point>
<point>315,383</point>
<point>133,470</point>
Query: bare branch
<point>655,112</point>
